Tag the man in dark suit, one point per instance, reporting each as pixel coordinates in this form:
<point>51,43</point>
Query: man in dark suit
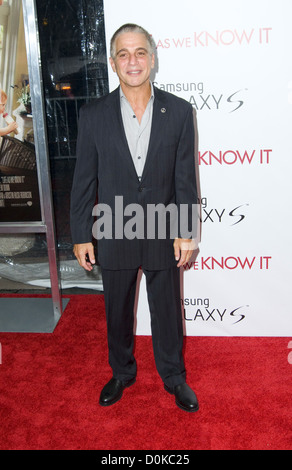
<point>136,147</point>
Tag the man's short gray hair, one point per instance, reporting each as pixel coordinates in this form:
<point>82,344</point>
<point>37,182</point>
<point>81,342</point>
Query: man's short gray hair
<point>131,28</point>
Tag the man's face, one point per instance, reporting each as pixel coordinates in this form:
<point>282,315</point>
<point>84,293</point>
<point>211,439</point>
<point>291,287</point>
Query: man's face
<point>133,62</point>
<point>2,106</point>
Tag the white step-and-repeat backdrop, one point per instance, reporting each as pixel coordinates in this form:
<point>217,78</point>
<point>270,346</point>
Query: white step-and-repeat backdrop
<point>232,60</point>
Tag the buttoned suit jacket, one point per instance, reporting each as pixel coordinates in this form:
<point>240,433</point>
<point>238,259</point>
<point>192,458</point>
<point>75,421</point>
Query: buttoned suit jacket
<point>104,168</point>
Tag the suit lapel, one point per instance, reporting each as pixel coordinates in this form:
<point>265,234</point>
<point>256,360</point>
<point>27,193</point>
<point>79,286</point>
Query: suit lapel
<point>118,131</point>
<point>159,119</point>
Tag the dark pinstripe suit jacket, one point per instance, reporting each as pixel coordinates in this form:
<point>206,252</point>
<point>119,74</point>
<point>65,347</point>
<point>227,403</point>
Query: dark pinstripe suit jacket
<point>105,168</point>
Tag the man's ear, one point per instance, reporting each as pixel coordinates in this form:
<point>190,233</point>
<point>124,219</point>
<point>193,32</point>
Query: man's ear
<point>112,64</point>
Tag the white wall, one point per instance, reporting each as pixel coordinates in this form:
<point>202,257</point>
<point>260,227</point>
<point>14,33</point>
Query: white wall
<point>238,55</point>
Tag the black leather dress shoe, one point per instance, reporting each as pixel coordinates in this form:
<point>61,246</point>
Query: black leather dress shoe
<point>185,397</point>
<point>113,391</point>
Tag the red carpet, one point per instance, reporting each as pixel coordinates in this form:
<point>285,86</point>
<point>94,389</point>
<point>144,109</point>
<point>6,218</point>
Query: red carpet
<point>50,386</point>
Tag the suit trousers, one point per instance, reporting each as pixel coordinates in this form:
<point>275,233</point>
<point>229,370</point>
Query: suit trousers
<point>163,292</point>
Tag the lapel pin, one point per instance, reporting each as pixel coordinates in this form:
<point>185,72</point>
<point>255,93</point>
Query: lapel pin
<point>163,110</point>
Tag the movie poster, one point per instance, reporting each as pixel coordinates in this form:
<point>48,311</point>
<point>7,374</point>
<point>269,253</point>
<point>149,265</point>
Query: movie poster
<point>19,190</point>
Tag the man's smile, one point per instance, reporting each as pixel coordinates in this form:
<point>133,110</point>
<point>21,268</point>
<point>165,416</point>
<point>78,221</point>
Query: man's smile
<point>134,72</point>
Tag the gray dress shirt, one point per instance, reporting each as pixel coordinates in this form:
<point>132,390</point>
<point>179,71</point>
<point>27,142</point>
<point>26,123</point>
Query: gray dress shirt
<point>137,134</point>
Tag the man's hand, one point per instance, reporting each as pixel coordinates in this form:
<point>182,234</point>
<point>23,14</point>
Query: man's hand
<point>84,253</point>
<point>183,250</point>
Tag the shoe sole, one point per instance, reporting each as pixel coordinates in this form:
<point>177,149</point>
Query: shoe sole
<point>112,402</point>
<point>189,410</point>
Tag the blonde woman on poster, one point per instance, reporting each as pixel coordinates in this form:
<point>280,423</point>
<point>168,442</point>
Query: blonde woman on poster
<point>11,124</point>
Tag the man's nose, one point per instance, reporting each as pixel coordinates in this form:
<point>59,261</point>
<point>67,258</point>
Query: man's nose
<point>133,59</point>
